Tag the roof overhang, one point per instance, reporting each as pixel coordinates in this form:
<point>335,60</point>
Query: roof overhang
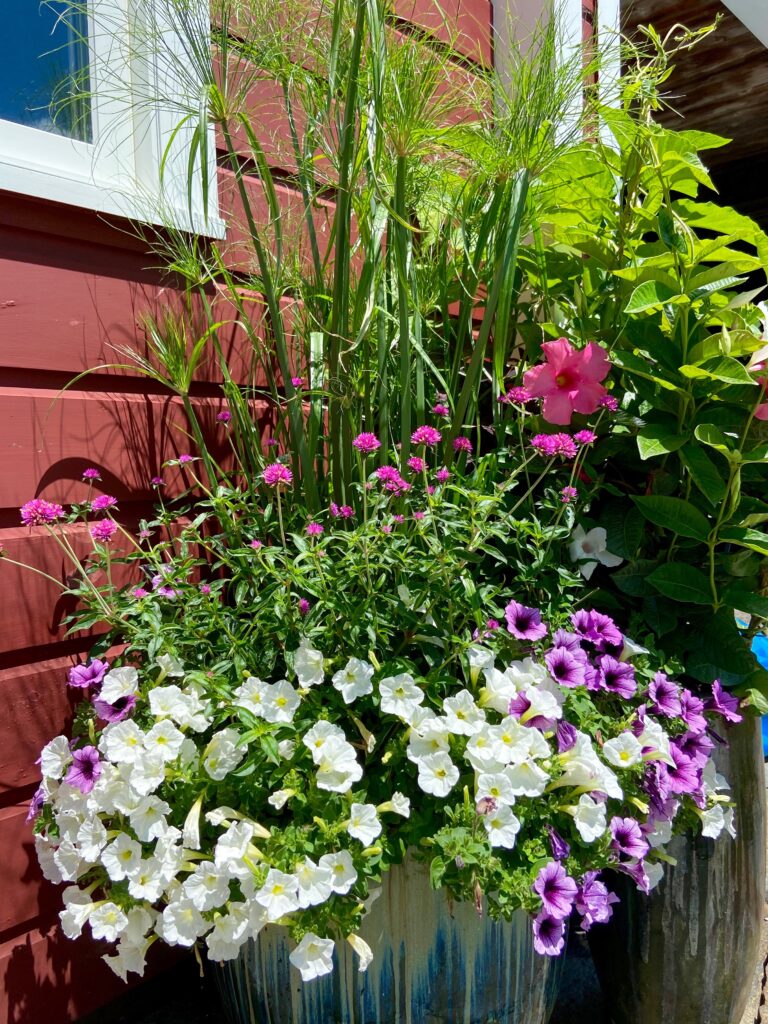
<point>754,14</point>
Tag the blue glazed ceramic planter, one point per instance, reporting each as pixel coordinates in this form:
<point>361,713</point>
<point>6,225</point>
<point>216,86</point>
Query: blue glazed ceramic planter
<point>435,962</point>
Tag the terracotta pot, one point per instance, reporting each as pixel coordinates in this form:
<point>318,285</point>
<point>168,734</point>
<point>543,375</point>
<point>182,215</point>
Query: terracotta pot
<point>687,953</point>
<point>435,962</point>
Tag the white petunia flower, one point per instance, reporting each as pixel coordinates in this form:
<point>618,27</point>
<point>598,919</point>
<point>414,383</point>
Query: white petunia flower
<point>712,821</point>
<point>655,739</point>
<point>496,786</point>
<point>279,702</point>
<point>315,739</point>
<point>631,650</point>
<point>661,834</point>
<point>279,894</point>
<point>480,660</point>
<point>437,774</point>
<point>499,689</point>
<point>223,755</point>
<point>400,695</point>
<point>624,751</point>
<point>313,956</point>
<point>484,751</point>
<point>337,767</point>
<point>401,804</point>
<point>122,742</point>
<point>55,758</point>
<point>171,665</point>
<point>251,695</point>
<point>181,923</point>
<point>364,823</point>
<point>729,816</point>
<point>91,839</point>
<point>280,798</point>
<point>230,931</point>
<point>462,716</point>
<point>591,548</point>
<point>429,738</point>
<point>107,921</point>
<point>502,827</point>
<point>147,773</point>
<point>207,887</point>
<point>354,680</point>
<point>363,950</point>
<point>526,778</point>
<point>122,857</point>
<point>343,874</point>
<point>67,859</point>
<point>77,909</point>
<point>45,851</point>
<point>233,844</point>
<point>315,883</point>
<point>139,922</point>
<point>119,682</point>
<point>583,769</point>
<point>286,749</point>
<point>654,872</point>
<point>184,707</point>
<point>308,665</point>
<point>131,957</point>
<point>543,704</point>
<point>148,819</point>
<point>164,740</point>
<point>590,818</point>
<point>148,880</point>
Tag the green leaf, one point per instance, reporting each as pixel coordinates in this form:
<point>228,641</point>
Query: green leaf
<point>681,582</point>
<point>642,368</point>
<point>746,600</point>
<point>755,698</point>
<point>759,454</point>
<point>623,525</point>
<point>654,440</point>
<point>722,368</point>
<point>674,514</point>
<point>746,538</point>
<point>713,437</point>
<point>669,234</point>
<point>633,578</point>
<point>650,295</point>
<point>704,473</point>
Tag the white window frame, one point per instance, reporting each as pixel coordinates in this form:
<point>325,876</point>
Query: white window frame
<point>754,14</point>
<point>119,173</point>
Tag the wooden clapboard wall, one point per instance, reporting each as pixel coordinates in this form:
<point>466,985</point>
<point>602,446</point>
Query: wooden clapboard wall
<point>72,286</point>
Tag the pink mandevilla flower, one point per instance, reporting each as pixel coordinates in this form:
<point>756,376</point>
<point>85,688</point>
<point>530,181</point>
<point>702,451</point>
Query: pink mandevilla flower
<point>569,380</point>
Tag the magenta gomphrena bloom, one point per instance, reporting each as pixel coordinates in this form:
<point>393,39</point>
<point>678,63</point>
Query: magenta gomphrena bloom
<point>184,460</point>
<point>462,444</point>
<point>723,703</point>
<point>92,674</point>
<point>523,622</point>
<point>40,512</point>
<point>442,475</point>
<point>548,934</point>
<point>272,442</point>
<point>568,494</point>
<point>552,445</point>
<point>157,481</point>
<point>256,544</point>
<point>426,435</point>
<point>341,511</point>
<point>224,416</point>
<point>569,379</point>
<point>439,409</point>
<point>84,770</point>
<point>609,402</point>
<point>304,607</point>
<point>386,528</point>
<point>628,837</point>
<point>315,529</point>
<point>91,474</point>
<point>585,437</point>
<point>418,515</point>
<point>391,480</point>
<point>556,890</point>
<point>103,503</point>
<point>366,443</point>
<point>298,382</point>
<point>144,534</point>
<point>430,489</point>
<point>104,531</point>
<point>139,592</point>
<point>116,712</point>
<point>416,464</point>
<point>518,395</point>
<point>205,588</point>
<point>398,518</point>
<point>276,474</point>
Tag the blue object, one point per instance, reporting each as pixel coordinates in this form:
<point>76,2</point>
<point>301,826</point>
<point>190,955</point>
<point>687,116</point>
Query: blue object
<point>760,650</point>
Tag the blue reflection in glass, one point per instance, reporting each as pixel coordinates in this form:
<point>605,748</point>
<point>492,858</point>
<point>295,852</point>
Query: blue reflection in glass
<point>44,81</point>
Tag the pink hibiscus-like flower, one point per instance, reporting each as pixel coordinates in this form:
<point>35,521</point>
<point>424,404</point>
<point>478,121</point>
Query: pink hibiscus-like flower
<point>569,380</point>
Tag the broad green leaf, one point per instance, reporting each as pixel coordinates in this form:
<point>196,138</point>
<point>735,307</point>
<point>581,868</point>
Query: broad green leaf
<point>704,473</point>
<point>681,582</point>
<point>755,540</point>
<point>624,528</point>
<point>669,234</point>
<point>674,514</point>
<point>746,600</point>
<point>654,440</point>
<point>633,578</point>
<point>642,368</point>
<point>650,295</point>
<point>713,437</point>
<point>759,454</point>
<point>754,698</point>
<point>723,368</point>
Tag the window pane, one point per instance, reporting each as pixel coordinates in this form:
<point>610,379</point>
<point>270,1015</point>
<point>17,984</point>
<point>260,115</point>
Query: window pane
<point>44,80</point>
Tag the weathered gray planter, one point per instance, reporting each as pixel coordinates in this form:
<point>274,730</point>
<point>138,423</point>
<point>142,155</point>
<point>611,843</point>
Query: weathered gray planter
<point>435,962</point>
<point>687,953</point>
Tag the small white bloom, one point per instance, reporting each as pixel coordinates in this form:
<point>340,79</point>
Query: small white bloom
<point>251,695</point>
<point>526,778</point>
<point>354,680</point>
<point>77,909</point>
<point>654,872</point>
<point>589,817</point>
<point>286,749</point>
<point>712,821</point>
<point>343,874</point>
<point>484,751</point>
<point>631,650</point>
<point>279,798</point>
<point>223,755</point>
<point>230,931</point>
<point>55,758</point>
<point>313,956</point>
<point>107,921</point>
<point>591,548</point>
<point>729,815</point>
<point>207,887</point>
<point>480,659</point>
<point>170,665</point>
<point>363,950</point>
<point>181,923</point>
<point>119,682</point>
<point>68,861</point>
<point>430,738</point>
<point>337,767</point>
<point>661,834</point>
<point>91,839</point>
<point>624,751</point>
<point>655,738</point>
<point>502,827</point>
<point>316,738</point>
<point>139,923</point>
<point>122,857</point>
<point>364,823</point>
<point>122,742</point>
<point>499,689</point>
<point>164,740</point>
<point>279,702</point>
<point>148,819</point>
<point>148,880</point>
<point>315,882</point>
<point>184,707</point>
<point>279,894</point>
<point>400,695</point>
<point>308,665</point>
<point>401,804</point>
<point>131,957</point>
<point>233,844</point>
<point>45,851</point>
<point>462,716</point>
<point>437,774</point>
<point>147,773</point>
<point>543,704</point>
<point>497,786</point>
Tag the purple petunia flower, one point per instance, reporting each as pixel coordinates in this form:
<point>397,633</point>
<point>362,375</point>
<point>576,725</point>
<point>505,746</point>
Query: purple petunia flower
<point>116,712</point>
<point>599,629</point>
<point>566,667</point>
<point>40,512</point>
<point>617,676</point>
<point>682,777</point>
<point>524,623</point>
<point>691,711</point>
<point>92,674</point>
<point>556,889</point>
<point>628,837</point>
<point>593,901</point>
<point>36,804</point>
<point>723,703</point>
<point>696,746</point>
<point>426,435</point>
<point>560,848</point>
<point>562,638</point>
<point>567,735</point>
<point>665,696</point>
<point>366,443</point>
<point>548,935</point>
<point>636,871</point>
<point>84,770</point>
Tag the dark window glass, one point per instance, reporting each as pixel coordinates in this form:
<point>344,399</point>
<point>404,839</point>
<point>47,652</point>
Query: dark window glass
<point>44,80</point>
